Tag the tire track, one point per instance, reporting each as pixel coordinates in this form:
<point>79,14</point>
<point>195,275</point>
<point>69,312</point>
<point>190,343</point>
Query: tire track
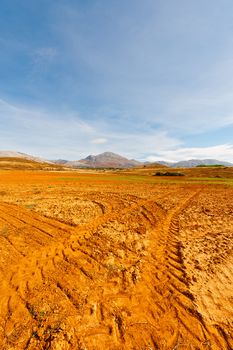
<point>190,320</point>
<point>43,265</point>
<point>34,218</point>
<point>171,299</point>
<point>120,280</point>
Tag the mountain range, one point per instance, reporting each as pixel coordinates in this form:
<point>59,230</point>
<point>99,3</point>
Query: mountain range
<point>191,163</point>
<point>103,160</point>
<point>113,160</point>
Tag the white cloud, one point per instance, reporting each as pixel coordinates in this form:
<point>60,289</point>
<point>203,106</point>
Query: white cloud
<point>44,133</point>
<point>146,71</point>
<point>37,119</point>
<point>220,152</point>
<point>42,60</point>
<point>46,52</point>
<point>137,144</point>
<point>99,141</point>
<point>43,56</point>
<point>66,135</point>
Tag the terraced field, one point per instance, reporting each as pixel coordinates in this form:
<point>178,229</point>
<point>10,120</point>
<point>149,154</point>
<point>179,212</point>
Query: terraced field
<point>98,263</point>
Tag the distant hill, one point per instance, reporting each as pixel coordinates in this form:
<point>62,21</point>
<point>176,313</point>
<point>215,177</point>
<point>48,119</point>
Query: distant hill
<point>167,164</point>
<point>111,160</point>
<point>191,163</point>
<point>14,154</point>
<point>20,163</point>
<point>103,160</point>
<point>196,162</point>
<point>60,161</point>
<point>108,160</point>
<point>155,165</point>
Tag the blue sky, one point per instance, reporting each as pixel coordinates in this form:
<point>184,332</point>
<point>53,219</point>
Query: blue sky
<point>148,79</point>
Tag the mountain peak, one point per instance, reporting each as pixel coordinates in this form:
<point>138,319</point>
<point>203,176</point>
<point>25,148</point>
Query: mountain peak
<point>108,160</point>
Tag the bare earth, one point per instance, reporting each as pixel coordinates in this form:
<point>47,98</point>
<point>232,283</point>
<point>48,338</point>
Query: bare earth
<point>97,262</point>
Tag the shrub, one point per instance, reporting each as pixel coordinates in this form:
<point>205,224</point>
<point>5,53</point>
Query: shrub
<point>168,173</point>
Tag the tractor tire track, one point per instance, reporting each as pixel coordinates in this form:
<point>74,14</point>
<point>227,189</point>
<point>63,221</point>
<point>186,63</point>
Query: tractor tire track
<point>119,280</point>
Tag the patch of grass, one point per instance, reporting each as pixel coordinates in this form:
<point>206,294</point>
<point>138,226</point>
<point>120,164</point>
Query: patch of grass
<point>152,179</point>
<point>210,179</point>
<point>4,232</point>
<point>211,166</point>
<point>169,173</point>
<point>30,206</point>
<point>114,267</point>
<point>38,315</point>
<point>136,178</point>
<point>31,310</point>
<point>69,179</point>
<point>109,178</point>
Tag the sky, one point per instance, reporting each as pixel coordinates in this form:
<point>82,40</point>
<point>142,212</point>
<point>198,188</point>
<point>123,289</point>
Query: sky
<point>150,80</point>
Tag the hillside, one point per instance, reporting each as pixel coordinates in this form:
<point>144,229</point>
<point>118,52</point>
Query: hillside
<point>14,154</point>
<point>191,163</point>
<point>15,163</point>
<point>103,160</point>
<point>196,162</point>
<point>154,165</point>
<point>108,160</point>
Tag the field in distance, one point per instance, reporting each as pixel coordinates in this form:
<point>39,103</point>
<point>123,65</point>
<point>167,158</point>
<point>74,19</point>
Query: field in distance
<point>116,260</point>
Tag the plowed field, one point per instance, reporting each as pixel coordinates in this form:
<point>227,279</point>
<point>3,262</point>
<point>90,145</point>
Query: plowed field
<point>100,262</point>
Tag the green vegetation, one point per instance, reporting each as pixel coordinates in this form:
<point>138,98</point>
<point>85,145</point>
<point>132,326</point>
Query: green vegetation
<point>209,179</point>
<point>150,179</point>
<point>210,166</point>
<point>169,173</point>
<point>4,232</point>
<point>30,206</point>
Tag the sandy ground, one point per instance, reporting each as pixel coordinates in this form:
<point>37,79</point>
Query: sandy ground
<point>90,263</point>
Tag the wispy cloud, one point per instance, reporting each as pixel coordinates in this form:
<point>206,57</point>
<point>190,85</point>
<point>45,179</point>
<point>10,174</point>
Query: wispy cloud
<point>141,78</point>
<point>43,132</point>
<point>43,56</point>
<point>51,134</point>
<point>219,152</point>
<point>99,141</point>
<point>38,119</point>
<point>157,68</point>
